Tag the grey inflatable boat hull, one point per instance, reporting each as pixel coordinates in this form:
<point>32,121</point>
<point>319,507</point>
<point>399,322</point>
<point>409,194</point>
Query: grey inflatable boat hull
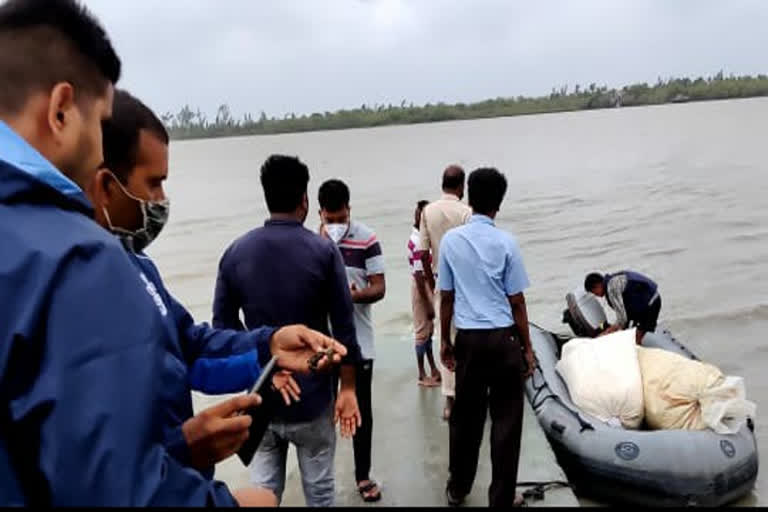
<point>654,468</point>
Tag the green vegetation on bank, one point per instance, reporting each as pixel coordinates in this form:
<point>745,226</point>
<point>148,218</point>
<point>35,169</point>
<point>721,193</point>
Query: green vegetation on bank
<point>189,124</point>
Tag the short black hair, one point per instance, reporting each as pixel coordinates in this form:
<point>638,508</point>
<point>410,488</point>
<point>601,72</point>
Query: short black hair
<point>422,204</point>
<point>121,133</point>
<point>487,187</point>
<point>453,177</point>
<point>285,180</point>
<point>593,280</point>
<point>333,196</point>
<point>45,42</point>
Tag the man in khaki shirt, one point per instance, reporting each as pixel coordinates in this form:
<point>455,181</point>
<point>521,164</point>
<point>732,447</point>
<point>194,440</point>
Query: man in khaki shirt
<point>437,219</point>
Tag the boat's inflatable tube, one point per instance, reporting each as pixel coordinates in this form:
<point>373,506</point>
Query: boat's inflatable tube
<point>654,468</point>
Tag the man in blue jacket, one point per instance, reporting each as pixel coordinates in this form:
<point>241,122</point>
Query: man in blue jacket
<point>82,335</point>
<point>633,296</point>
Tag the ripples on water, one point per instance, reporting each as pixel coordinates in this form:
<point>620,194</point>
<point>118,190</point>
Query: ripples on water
<point>678,192</point>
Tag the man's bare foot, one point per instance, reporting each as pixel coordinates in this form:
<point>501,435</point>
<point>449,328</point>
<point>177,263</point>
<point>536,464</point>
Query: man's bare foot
<point>436,376</point>
<point>427,382</point>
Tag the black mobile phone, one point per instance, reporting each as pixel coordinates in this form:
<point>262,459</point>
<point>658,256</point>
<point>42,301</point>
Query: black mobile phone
<point>261,415</point>
<point>266,373</point>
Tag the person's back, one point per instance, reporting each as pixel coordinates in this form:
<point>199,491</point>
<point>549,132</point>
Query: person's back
<point>438,218</point>
<point>282,274</point>
<point>639,291</point>
<point>483,252</point>
<point>633,296</point>
<point>307,284</point>
<point>482,280</point>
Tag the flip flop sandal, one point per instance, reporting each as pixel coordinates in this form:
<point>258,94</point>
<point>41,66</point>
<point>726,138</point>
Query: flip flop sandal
<point>371,485</point>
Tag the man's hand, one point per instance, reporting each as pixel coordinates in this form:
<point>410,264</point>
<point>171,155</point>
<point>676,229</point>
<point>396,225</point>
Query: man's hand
<point>289,388</point>
<point>447,356</point>
<point>295,345</point>
<point>347,413</point>
<point>353,291</point>
<point>255,497</point>
<point>218,432</point>
<point>530,361</point>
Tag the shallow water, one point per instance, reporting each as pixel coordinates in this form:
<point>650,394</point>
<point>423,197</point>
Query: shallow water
<point>678,192</point>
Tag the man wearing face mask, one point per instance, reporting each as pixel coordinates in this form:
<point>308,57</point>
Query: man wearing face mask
<point>129,200</point>
<point>282,274</point>
<point>365,272</point>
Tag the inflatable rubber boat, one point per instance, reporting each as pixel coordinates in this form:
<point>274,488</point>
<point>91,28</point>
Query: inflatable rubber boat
<point>652,468</point>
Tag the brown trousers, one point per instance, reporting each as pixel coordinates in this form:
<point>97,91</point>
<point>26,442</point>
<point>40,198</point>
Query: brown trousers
<point>488,374</point>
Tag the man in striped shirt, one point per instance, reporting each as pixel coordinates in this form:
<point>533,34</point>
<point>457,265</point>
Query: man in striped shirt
<point>364,262</point>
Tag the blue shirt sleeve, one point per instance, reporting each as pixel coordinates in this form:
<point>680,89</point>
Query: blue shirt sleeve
<point>444,270</point>
<point>515,276</point>
<point>202,340</point>
<point>89,350</point>
<point>216,376</point>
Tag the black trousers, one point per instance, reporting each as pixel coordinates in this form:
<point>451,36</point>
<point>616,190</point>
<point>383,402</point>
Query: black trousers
<point>488,373</point>
<point>650,317</point>
<point>361,443</point>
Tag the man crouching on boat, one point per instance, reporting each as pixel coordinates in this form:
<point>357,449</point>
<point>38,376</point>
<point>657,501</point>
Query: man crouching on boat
<point>129,200</point>
<point>634,297</point>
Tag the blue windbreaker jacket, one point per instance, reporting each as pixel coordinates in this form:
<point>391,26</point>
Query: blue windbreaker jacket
<point>82,350</point>
<point>199,357</point>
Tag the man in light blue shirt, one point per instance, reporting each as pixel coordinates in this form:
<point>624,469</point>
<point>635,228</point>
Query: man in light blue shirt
<point>481,279</point>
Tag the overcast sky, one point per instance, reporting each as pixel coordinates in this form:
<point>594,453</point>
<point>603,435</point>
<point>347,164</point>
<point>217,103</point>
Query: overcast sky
<point>309,56</point>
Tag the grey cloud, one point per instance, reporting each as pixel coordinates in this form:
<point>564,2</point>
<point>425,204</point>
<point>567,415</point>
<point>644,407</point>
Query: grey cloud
<point>307,56</point>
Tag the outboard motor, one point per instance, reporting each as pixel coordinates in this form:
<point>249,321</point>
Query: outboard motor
<point>584,315</point>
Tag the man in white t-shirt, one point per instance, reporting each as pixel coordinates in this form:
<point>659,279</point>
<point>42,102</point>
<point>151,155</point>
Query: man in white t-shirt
<point>361,252</point>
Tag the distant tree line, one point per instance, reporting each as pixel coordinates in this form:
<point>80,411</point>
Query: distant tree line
<point>190,124</point>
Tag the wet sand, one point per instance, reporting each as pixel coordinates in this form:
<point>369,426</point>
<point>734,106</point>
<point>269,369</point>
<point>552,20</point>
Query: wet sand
<point>410,447</point>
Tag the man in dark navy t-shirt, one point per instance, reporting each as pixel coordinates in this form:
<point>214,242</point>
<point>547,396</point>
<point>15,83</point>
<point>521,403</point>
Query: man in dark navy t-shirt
<point>283,274</point>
